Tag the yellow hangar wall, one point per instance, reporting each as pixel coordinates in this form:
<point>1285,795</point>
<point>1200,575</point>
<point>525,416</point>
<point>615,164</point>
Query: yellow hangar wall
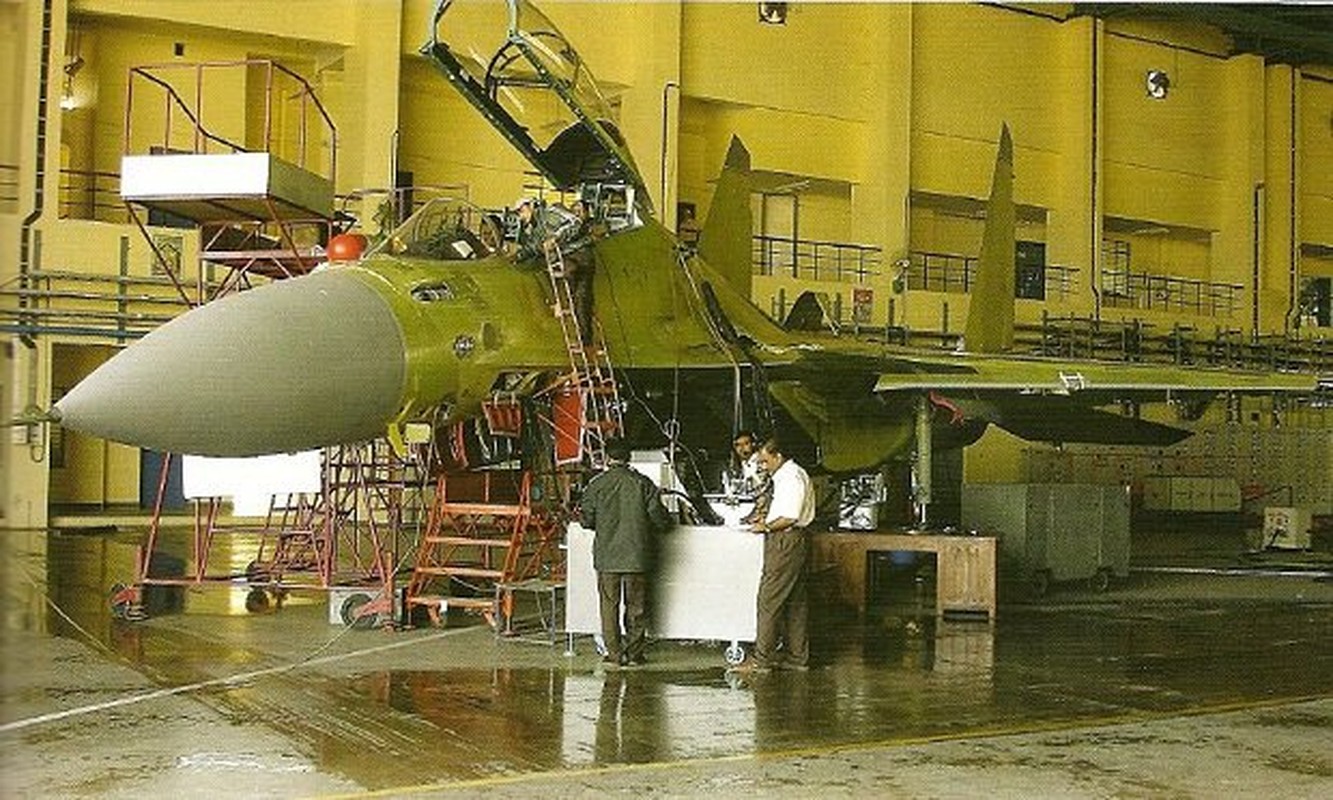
<point>81,228</point>
<point>869,124</point>
<point>443,142</point>
<point>1099,163</point>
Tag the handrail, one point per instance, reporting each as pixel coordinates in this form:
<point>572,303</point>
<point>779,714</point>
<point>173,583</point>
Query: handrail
<point>193,114</point>
<point>173,95</point>
<point>1144,290</point>
<point>951,273</point>
<point>845,262</point>
<point>1134,341</point>
<point>101,277</point>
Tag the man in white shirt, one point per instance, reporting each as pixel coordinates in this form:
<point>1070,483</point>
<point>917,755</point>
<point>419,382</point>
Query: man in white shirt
<point>783,606</point>
<point>749,479</point>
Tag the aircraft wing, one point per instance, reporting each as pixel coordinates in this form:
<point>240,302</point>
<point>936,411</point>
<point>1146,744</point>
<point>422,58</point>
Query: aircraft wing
<point>526,79</point>
<point>1068,378</point>
<point>1057,401</point>
<point>858,406</point>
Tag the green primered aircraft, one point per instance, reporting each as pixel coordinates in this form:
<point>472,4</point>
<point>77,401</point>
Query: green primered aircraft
<point>437,318</point>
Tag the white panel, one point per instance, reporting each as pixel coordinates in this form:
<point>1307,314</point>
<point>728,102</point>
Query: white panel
<point>190,175</point>
<point>705,587</point>
<point>285,473</point>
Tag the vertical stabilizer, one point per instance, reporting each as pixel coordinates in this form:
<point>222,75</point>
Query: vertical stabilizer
<point>725,240</point>
<point>990,319</point>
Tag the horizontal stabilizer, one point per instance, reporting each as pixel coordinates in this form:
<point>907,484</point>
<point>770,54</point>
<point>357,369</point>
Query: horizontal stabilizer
<point>1055,419</point>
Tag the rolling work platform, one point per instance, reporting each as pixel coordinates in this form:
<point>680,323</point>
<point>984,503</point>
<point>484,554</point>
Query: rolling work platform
<point>259,188</point>
<point>261,196</point>
<point>351,533</point>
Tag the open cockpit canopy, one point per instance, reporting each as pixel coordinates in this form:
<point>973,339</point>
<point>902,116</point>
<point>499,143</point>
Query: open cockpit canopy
<point>512,63</point>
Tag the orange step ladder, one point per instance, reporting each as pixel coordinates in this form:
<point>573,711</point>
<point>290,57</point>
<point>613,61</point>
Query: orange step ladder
<point>482,535</point>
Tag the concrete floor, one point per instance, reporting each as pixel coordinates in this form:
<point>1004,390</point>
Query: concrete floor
<point>1173,684</point>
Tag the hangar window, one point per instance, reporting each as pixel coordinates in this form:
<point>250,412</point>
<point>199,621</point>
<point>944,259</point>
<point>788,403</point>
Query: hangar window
<point>1030,270</point>
<point>1315,303</point>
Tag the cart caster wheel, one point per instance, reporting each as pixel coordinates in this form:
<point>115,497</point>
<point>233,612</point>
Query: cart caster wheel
<point>734,654</point>
<point>1041,582</point>
<point>123,604</point>
<point>257,601</point>
<point>255,572</point>
<point>1101,581</point>
<point>351,612</point>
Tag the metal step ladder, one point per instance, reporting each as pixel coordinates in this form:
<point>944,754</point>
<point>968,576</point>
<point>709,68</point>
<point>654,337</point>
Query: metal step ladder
<point>591,373</point>
<point>482,535</point>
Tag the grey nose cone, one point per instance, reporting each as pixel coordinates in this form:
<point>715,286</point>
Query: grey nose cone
<point>294,365</point>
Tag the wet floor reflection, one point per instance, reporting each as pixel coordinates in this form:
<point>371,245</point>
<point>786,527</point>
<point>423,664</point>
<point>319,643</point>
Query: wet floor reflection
<point>65,579</point>
<point>1047,667</point>
<point>899,674</point>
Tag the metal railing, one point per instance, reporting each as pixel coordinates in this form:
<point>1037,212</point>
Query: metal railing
<point>89,304</point>
<point>815,260</point>
<point>941,272</point>
<point>1180,344</point>
<point>841,262</point>
<point>1142,290</point>
<point>954,274</point>
<point>202,138</point>
<point>89,194</point>
<point>9,188</point>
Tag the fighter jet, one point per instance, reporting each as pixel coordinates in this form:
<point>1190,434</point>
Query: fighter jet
<point>439,317</point>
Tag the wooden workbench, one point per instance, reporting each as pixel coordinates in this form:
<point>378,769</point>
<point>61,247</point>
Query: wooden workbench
<point>964,573</point>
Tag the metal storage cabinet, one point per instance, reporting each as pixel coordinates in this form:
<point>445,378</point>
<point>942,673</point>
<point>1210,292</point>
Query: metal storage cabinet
<point>1054,532</point>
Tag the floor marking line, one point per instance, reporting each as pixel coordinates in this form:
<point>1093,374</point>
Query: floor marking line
<point>243,677</point>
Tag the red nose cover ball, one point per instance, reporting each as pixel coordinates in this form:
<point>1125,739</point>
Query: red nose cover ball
<point>346,247</point>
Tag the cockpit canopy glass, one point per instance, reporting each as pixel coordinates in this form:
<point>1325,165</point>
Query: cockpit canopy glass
<point>444,229</point>
<point>511,62</point>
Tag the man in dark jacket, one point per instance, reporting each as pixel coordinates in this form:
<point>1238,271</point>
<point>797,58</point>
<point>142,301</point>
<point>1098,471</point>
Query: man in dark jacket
<point>623,509</point>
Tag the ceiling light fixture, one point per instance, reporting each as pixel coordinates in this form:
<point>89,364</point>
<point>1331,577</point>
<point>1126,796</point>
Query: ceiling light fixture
<point>1157,83</point>
<point>773,13</point>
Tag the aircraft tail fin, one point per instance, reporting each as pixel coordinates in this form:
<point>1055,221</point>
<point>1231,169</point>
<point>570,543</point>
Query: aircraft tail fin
<point>990,320</point>
<point>725,240</point>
